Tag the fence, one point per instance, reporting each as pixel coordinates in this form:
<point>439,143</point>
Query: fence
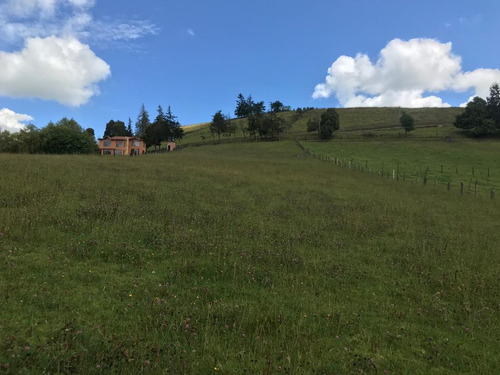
<point>470,187</point>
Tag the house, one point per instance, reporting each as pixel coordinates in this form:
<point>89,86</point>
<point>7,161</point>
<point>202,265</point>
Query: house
<point>122,146</point>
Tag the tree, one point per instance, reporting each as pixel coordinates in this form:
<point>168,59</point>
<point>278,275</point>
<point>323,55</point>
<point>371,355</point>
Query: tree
<point>66,137</point>
<point>471,121</point>
<point>407,122</point>
<point>247,107</point>
<point>493,104</point>
<point>312,125</point>
<point>29,139</point>
<point>219,124</point>
<point>276,106</point>
<point>329,123</point>
<point>273,125</point>
<point>129,128</point>
<point>242,109</point>
<point>115,129</point>
<point>176,130</point>
<point>142,122</point>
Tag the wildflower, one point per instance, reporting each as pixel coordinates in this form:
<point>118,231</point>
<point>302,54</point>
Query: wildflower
<point>216,368</point>
<point>27,348</point>
<point>130,295</point>
<point>147,362</point>
<point>79,332</point>
<point>98,366</point>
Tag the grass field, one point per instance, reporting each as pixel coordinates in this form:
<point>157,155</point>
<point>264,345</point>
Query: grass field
<point>244,258</point>
<point>461,161</point>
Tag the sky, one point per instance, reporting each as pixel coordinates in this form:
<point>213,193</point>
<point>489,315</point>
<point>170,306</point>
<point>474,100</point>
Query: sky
<point>98,60</point>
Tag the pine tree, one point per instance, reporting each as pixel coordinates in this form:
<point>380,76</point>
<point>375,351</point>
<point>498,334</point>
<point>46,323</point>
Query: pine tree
<point>142,122</point>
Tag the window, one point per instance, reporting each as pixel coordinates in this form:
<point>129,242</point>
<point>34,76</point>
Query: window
<point>107,143</point>
<point>136,143</point>
<point>119,144</point>
<point>118,152</point>
<point>107,152</point>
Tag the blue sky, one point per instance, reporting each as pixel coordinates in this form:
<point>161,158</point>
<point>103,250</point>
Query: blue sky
<point>97,60</point>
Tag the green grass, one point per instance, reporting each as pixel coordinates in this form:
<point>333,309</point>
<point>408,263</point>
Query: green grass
<point>461,161</point>
<point>375,120</point>
<point>245,258</point>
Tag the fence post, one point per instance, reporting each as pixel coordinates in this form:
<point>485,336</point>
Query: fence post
<point>462,188</point>
<point>492,193</point>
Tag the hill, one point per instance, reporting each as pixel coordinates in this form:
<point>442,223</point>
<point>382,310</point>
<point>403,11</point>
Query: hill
<point>352,120</point>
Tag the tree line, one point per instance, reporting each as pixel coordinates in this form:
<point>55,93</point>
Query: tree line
<point>68,137</point>
<point>264,124</point>
<point>63,137</point>
<point>481,117</point>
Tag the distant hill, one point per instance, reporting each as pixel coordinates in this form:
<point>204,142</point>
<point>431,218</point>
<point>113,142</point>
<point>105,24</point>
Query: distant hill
<point>351,120</point>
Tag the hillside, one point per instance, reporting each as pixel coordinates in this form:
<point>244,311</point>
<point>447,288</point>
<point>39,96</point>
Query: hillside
<point>352,120</point>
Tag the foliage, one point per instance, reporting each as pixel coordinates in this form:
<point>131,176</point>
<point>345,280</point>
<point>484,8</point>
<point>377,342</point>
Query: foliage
<point>276,106</point>
<point>329,123</point>
<point>247,107</point>
<point>116,129</point>
<point>407,122</point>
<point>219,124</point>
<point>64,137</point>
<point>312,125</point>
<point>164,128</point>
<point>481,117</point>
<point>142,122</point>
<point>493,105</point>
<point>471,120</point>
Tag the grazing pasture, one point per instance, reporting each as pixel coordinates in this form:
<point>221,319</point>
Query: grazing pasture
<point>250,258</point>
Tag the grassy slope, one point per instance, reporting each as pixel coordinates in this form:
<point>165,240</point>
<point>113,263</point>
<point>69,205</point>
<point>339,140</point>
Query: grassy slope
<point>248,258</point>
<point>351,119</point>
<point>461,161</point>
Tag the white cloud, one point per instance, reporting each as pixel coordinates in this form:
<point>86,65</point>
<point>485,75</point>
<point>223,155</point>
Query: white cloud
<point>22,19</point>
<point>404,72</point>
<point>12,121</point>
<point>190,32</point>
<point>61,69</point>
<point>54,63</point>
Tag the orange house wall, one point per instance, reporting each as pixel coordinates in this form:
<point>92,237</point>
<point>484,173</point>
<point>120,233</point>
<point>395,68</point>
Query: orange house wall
<point>126,147</point>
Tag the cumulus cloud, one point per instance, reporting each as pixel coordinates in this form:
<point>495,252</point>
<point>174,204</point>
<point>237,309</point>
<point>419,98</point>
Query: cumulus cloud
<point>61,69</point>
<point>404,75</point>
<point>12,121</point>
<point>56,62</point>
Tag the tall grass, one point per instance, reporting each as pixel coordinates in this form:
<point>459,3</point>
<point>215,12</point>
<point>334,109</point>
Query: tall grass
<point>250,258</point>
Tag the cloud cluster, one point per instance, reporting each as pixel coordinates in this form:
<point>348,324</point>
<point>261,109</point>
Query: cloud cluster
<point>11,121</point>
<point>404,75</point>
<point>54,63</point>
<point>61,69</point>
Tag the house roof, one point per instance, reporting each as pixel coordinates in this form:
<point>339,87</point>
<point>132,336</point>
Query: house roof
<point>119,138</point>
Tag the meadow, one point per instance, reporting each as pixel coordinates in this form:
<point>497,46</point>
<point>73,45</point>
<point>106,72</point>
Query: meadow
<point>250,258</point>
